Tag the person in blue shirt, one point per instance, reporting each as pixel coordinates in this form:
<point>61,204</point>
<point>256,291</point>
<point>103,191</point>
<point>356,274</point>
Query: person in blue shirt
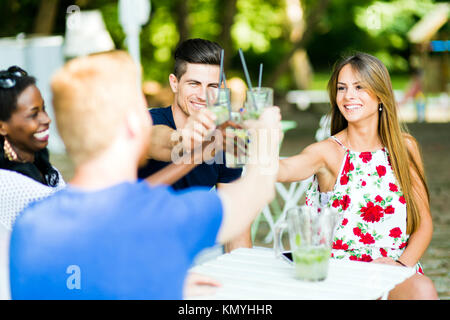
<point>109,235</point>
<point>185,124</point>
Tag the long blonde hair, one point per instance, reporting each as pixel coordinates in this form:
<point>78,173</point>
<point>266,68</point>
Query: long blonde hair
<point>376,78</point>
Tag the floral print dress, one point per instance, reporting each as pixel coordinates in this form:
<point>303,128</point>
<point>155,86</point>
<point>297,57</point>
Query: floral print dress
<point>371,204</point>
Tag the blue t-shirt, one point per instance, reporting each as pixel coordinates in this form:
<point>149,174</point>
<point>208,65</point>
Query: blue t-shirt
<point>207,175</point>
<point>129,241</point>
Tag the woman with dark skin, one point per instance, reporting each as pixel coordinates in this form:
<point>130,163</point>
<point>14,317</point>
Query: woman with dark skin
<point>25,171</point>
<point>26,174</point>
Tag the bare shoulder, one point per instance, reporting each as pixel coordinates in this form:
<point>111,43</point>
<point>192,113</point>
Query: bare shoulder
<point>329,151</point>
<point>320,148</point>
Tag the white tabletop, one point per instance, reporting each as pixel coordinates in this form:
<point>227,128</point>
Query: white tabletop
<point>255,274</point>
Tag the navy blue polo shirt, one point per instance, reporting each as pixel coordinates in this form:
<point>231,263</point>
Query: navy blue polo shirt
<point>206,175</point>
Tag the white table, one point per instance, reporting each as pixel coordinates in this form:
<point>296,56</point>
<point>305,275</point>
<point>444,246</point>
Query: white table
<point>255,274</point>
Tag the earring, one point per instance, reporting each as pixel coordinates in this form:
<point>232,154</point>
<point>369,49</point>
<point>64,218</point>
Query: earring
<point>380,107</point>
<point>9,151</point>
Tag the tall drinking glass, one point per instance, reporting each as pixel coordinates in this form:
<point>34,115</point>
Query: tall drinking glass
<point>257,99</point>
<point>218,101</point>
<point>311,234</point>
<point>237,140</point>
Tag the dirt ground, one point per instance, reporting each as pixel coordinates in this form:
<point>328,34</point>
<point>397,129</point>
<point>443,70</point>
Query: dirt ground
<point>434,139</point>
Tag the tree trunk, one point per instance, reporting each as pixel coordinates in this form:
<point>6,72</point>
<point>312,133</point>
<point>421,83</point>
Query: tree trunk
<point>182,14</point>
<point>311,24</point>
<point>228,10</point>
<point>45,20</point>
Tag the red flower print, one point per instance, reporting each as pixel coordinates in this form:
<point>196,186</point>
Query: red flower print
<point>402,200</point>
<point>395,233</point>
<point>403,245</point>
<point>357,231</point>
<point>389,210</point>
<point>345,202</point>
<point>420,270</point>
<point>344,222</point>
<point>381,170</point>
<point>339,245</point>
<point>344,179</point>
<point>366,156</point>
<point>367,238</point>
<point>348,165</point>
<point>363,183</point>
<point>353,258</point>
<point>383,252</point>
<point>378,199</point>
<point>365,258</point>
<point>393,187</point>
<point>336,203</point>
<point>372,213</point>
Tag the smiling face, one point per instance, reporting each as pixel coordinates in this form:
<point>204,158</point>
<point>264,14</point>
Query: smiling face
<point>190,89</point>
<point>354,100</point>
<point>28,128</point>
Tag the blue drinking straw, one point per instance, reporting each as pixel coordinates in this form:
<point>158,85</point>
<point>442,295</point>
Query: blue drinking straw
<point>221,68</point>
<point>247,76</point>
<point>224,80</point>
<point>260,75</point>
<point>229,98</point>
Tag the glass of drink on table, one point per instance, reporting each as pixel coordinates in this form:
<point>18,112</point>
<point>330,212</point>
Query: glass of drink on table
<point>311,232</point>
<point>218,101</point>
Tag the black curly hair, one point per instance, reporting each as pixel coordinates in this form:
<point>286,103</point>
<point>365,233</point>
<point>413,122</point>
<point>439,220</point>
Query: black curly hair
<point>9,95</point>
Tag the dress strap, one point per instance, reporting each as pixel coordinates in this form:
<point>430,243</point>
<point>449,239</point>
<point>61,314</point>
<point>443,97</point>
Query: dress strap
<point>338,142</point>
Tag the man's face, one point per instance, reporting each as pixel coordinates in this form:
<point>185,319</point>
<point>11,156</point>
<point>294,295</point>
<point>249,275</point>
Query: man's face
<point>190,89</point>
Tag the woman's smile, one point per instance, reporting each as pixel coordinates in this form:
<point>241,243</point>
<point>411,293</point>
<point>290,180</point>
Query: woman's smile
<point>42,135</point>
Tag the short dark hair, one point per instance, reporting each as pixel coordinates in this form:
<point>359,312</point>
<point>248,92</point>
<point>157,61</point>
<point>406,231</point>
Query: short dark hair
<point>196,51</point>
<point>8,96</point>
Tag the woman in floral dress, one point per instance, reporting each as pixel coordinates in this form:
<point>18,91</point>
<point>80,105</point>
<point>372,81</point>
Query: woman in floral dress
<point>370,170</point>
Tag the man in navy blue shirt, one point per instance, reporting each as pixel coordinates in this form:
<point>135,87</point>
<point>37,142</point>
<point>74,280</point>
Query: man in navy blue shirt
<point>109,235</point>
<point>187,120</point>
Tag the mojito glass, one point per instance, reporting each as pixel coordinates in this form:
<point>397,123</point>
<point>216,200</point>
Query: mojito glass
<point>311,262</point>
<point>310,236</point>
<point>259,98</point>
<point>236,155</point>
<point>218,101</point>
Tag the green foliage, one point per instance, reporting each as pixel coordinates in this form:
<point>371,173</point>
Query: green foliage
<point>259,27</point>
<point>257,24</point>
<point>204,19</point>
<point>390,22</point>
